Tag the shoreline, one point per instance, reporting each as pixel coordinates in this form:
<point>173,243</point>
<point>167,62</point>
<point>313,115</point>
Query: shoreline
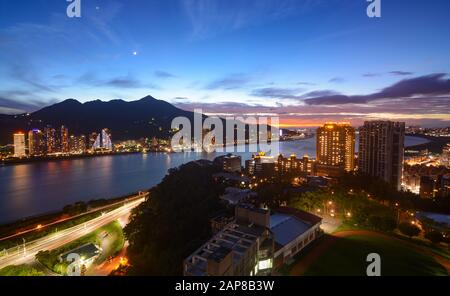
<point>11,162</point>
<point>434,144</point>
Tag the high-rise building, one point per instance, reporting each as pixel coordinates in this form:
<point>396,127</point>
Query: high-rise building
<point>82,143</point>
<point>36,143</point>
<point>103,141</point>
<point>92,137</point>
<point>77,144</point>
<point>381,148</point>
<point>65,145</point>
<point>51,139</point>
<point>445,156</point>
<point>19,145</point>
<point>335,149</point>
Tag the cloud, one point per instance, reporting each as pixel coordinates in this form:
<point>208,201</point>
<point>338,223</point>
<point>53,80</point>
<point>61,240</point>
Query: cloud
<point>305,83</point>
<point>124,82</point>
<point>401,73</point>
<point>15,105</point>
<point>232,81</point>
<point>180,99</point>
<point>25,73</point>
<point>337,80</point>
<point>429,111</point>
<point>279,93</point>
<point>370,75</point>
<point>434,84</point>
<point>319,93</point>
<point>128,81</point>
<point>210,18</point>
<point>164,74</point>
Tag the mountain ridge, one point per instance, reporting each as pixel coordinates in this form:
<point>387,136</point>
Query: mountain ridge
<point>145,117</point>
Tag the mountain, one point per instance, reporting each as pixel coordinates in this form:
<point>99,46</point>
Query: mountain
<point>146,117</point>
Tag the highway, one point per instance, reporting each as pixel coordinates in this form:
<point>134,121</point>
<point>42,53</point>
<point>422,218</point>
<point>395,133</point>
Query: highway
<point>21,255</point>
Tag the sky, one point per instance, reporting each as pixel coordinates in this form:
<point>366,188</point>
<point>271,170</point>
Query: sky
<point>307,61</point>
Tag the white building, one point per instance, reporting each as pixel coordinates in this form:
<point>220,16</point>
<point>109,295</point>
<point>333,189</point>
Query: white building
<point>19,145</point>
<point>292,230</point>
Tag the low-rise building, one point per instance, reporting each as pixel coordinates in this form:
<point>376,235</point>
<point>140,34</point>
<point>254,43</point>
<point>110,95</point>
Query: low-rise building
<point>229,163</point>
<point>292,230</point>
<point>87,252</point>
<point>235,195</point>
<point>254,242</point>
<point>237,250</point>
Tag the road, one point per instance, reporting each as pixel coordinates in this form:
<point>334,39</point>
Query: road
<point>18,234</point>
<point>20,255</point>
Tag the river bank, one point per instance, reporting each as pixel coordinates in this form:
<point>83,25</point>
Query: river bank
<point>434,144</point>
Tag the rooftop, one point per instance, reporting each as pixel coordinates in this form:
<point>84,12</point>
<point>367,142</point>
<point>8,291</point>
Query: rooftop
<point>287,224</point>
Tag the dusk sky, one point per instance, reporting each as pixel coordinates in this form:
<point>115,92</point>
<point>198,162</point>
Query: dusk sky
<point>309,61</point>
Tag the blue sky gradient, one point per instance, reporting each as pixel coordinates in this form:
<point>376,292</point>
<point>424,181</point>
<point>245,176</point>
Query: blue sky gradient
<point>307,60</point>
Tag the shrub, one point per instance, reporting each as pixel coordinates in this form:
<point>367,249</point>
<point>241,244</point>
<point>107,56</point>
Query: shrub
<point>409,229</point>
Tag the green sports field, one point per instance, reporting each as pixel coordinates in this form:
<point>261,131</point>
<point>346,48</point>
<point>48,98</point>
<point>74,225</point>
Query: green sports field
<point>347,256</point>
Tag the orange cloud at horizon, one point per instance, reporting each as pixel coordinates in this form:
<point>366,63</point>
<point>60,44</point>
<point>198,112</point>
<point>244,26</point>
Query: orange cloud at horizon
<point>296,122</point>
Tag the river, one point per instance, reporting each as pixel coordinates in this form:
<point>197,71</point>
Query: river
<point>42,187</point>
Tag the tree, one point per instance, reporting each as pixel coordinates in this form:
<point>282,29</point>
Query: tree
<point>409,229</point>
<point>375,222</point>
<point>434,236</point>
<point>388,223</point>
<point>174,221</point>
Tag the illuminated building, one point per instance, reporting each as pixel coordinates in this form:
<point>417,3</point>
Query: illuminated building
<point>77,144</point>
<point>82,143</point>
<point>381,148</point>
<point>51,140</point>
<point>92,138</point>
<point>19,145</point>
<point>103,141</point>
<point>36,143</point>
<point>335,148</point>
<point>294,165</point>
<point>445,156</point>
<point>260,165</point>
<point>65,145</point>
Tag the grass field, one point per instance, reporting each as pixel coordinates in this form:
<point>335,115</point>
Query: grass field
<point>347,256</point>
<point>20,270</point>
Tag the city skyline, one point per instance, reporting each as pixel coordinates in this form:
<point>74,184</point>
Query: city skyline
<point>305,61</point>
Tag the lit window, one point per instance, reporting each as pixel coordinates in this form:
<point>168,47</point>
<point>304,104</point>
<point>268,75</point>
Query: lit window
<point>265,264</point>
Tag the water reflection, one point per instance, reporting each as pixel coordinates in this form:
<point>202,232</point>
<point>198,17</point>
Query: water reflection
<point>31,189</point>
